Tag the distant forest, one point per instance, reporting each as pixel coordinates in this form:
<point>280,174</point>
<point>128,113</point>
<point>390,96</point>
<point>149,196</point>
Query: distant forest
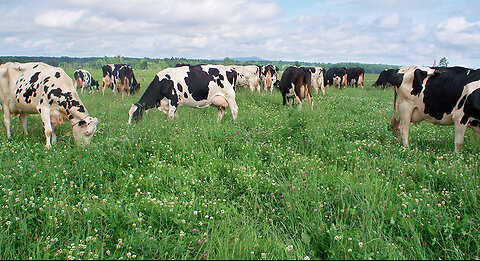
<point>160,64</point>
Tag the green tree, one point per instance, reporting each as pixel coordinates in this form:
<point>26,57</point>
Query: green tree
<point>443,62</point>
<point>228,61</point>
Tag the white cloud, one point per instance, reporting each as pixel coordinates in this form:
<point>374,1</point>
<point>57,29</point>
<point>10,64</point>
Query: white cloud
<point>458,31</point>
<point>379,31</point>
<point>389,21</point>
<point>65,19</point>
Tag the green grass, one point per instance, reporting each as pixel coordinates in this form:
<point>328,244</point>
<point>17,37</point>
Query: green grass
<point>279,183</point>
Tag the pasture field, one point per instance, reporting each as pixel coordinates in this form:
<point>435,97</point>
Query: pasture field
<point>279,183</point>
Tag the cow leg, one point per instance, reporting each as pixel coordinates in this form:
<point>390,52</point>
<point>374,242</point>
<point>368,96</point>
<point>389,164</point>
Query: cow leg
<point>54,135</point>
<point>221,112</point>
<point>23,122</point>
<point>405,114</point>
<point>233,106</point>
<point>6,119</point>
<point>47,124</point>
<point>459,135</point>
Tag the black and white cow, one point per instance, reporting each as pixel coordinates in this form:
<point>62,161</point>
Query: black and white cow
<point>38,88</point>
<point>196,86</point>
<point>355,76</point>
<point>388,77</point>
<point>268,76</point>
<point>248,75</point>
<point>121,77</point>
<point>441,95</point>
<point>296,83</point>
<point>83,79</point>
<point>336,76</point>
<point>318,78</point>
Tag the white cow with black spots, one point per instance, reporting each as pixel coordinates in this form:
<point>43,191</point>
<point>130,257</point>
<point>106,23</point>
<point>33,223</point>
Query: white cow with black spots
<point>196,86</point>
<point>38,88</point>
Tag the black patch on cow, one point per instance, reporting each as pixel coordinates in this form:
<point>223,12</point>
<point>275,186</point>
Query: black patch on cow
<point>443,91</point>
<point>29,92</point>
<point>472,108</point>
<point>65,100</point>
<point>36,65</point>
<point>185,95</point>
<point>197,82</point>
<point>168,91</point>
<point>41,101</point>
<point>39,110</point>
<point>214,71</point>
<point>34,78</point>
<point>46,79</point>
<point>167,76</point>
<point>231,77</point>
<point>418,78</point>
<point>179,87</point>
<point>70,117</point>
<point>57,75</point>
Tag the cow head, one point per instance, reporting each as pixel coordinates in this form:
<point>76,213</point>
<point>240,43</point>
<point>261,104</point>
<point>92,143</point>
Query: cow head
<point>95,84</point>
<point>136,112</point>
<point>134,88</point>
<point>84,129</point>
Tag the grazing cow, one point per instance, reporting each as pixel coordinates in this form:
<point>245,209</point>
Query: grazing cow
<point>38,88</point>
<point>248,75</point>
<point>336,76</point>
<point>83,80</point>
<point>194,86</point>
<point>388,77</point>
<point>355,76</point>
<point>318,78</point>
<point>268,76</point>
<point>121,77</point>
<point>296,82</point>
<point>441,95</point>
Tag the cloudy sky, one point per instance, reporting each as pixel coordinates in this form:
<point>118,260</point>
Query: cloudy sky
<point>399,32</point>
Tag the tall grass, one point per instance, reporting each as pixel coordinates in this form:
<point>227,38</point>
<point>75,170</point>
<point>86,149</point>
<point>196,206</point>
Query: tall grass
<point>279,183</point>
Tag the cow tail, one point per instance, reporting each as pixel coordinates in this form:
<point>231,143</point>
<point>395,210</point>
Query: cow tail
<point>393,121</point>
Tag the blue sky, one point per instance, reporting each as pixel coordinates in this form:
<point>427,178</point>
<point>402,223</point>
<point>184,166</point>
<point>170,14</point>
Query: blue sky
<point>400,32</point>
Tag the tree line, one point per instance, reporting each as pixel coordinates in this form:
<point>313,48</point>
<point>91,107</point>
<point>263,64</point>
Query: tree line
<point>162,63</point>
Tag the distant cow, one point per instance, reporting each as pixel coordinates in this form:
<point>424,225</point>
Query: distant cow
<point>38,88</point>
<point>355,76</point>
<point>442,95</point>
<point>196,86</point>
<point>388,77</point>
<point>318,78</point>
<point>268,76</point>
<point>337,77</point>
<point>248,75</point>
<point>83,80</point>
<point>121,77</point>
<point>296,83</point>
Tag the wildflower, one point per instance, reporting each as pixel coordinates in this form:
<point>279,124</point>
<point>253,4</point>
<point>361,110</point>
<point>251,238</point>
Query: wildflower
<point>263,255</point>
<point>150,238</point>
<point>204,256</point>
<point>289,248</point>
<point>306,258</point>
<point>360,244</point>
<point>441,216</point>
<point>182,234</point>
<point>338,238</point>
<point>349,250</point>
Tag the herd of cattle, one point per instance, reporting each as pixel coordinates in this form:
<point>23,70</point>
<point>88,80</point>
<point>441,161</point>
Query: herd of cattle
<point>441,95</point>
